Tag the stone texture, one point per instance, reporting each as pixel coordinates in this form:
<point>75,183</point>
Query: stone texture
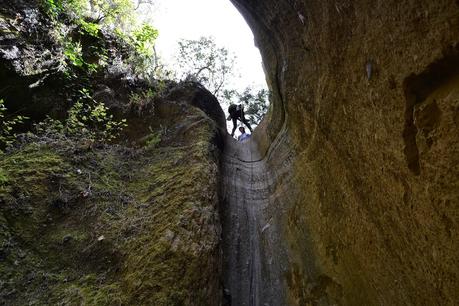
<point>92,224</point>
<point>351,190</point>
<point>366,107</point>
<point>252,247</point>
<point>84,222</point>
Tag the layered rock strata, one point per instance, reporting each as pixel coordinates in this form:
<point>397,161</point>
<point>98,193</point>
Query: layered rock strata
<point>366,105</point>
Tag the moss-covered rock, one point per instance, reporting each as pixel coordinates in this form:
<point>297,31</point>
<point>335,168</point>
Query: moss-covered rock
<point>93,224</point>
<point>82,222</point>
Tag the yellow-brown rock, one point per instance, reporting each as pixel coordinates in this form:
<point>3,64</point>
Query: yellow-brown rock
<point>366,120</point>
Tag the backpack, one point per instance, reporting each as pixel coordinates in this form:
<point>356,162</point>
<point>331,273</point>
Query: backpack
<point>234,108</point>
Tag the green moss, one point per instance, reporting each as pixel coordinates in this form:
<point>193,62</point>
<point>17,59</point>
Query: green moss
<point>110,225</point>
<point>29,167</point>
<point>3,177</point>
<point>87,291</point>
<point>153,139</point>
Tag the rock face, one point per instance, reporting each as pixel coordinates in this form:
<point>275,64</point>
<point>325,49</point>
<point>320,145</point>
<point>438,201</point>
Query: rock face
<point>92,224</point>
<point>364,135</point>
<point>252,247</point>
<point>85,222</point>
<point>347,194</point>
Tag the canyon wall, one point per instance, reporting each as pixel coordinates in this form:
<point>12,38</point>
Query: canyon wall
<point>130,220</point>
<point>83,223</point>
<point>356,170</point>
<point>366,120</point>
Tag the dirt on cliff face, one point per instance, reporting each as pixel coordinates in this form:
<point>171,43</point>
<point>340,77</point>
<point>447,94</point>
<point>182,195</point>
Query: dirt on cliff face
<point>95,224</point>
<point>355,173</point>
<point>369,95</point>
<point>83,221</point>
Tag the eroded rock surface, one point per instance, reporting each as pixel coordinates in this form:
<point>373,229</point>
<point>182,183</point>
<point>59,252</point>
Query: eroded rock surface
<point>83,223</point>
<point>365,105</point>
<point>252,247</point>
<point>348,194</point>
<point>88,222</point>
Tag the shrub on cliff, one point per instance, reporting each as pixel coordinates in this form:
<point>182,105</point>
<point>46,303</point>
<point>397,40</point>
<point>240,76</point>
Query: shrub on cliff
<point>7,134</point>
<point>87,119</point>
<point>84,27</point>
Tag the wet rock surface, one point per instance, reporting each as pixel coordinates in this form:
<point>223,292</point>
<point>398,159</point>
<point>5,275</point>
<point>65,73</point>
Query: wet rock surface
<point>251,244</point>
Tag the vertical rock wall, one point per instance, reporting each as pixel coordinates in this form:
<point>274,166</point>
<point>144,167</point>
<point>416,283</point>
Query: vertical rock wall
<point>367,103</point>
<point>88,223</point>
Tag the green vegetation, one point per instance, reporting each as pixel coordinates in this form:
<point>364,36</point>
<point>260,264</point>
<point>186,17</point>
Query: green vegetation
<point>86,118</point>
<point>109,225</point>
<point>203,61</point>
<point>93,121</point>
<point>200,60</point>
<point>144,39</point>
<point>89,27</point>
<point>145,61</point>
<point>116,17</point>
<point>52,7</point>
<point>213,66</point>
<point>74,53</point>
<point>3,178</point>
<point>7,134</point>
<point>118,13</point>
<point>153,139</point>
<point>144,100</point>
<point>85,221</point>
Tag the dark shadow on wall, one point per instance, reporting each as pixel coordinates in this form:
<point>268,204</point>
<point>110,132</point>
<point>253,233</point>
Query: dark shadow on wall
<point>417,89</point>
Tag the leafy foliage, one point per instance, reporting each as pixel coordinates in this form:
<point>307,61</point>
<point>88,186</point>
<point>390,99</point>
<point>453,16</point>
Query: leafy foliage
<point>86,118</point>
<point>213,66</point>
<point>52,7</point>
<point>74,53</point>
<point>90,27</point>
<point>115,16</point>
<point>256,103</point>
<point>75,57</point>
<point>205,62</point>
<point>7,135</point>
<point>117,13</point>
<point>143,101</point>
<point>145,61</point>
<point>153,139</point>
<point>144,39</point>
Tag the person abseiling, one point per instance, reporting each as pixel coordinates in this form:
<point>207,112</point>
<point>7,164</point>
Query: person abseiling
<point>236,112</point>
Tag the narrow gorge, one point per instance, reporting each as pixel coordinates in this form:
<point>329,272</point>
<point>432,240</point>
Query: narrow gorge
<point>347,193</point>
<point>253,251</point>
<point>361,150</point>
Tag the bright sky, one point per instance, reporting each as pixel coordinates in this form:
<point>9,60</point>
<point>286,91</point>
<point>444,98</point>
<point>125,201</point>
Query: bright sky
<point>177,19</point>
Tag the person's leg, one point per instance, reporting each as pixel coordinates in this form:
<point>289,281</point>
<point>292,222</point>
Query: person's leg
<point>247,124</point>
<point>234,126</point>
<point>245,121</point>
